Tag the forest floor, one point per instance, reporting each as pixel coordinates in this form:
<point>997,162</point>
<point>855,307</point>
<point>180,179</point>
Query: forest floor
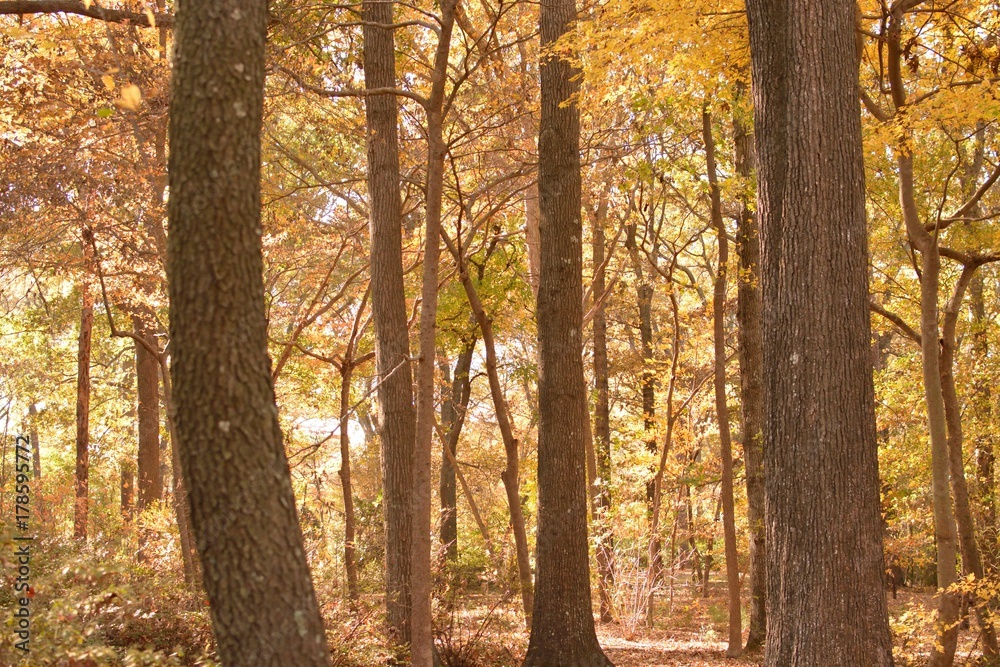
<point>693,635</point>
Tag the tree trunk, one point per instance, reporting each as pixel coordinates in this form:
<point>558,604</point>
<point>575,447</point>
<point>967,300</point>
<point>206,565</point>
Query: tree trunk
<point>985,452</point>
<point>181,503</point>
<point>422,644</point>
<point>81,506</point>
<point>36,451</point>
<point>127,488</point>
<point>602,422</point>
<point>264,608</point>
<point>971,558</point>
<point>510,475</point>
<point>147,374</point>
<point>562,630</point>
<point>749,334</point>
<point>350,562</point>
<point>397,426</point>
<point>453,407</point>
<point>825,603</point>
<point>721,402</point>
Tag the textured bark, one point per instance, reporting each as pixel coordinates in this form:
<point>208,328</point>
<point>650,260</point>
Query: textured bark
<point>751,391</point>
<point>147,374</point>
<point>82,479</point>
<point>825,601</point>
<point>397,426</point>
<point>972,560</point>
<point>455,402</point>
<point>721,402</point>
<point>264,609</point>
<point>422,644</point>
<point>602,422</point>
<point>562,631</point>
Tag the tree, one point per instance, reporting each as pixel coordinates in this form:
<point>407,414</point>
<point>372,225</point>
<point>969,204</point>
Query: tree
<point>147,374</point>
<point>264,609</point>
<point>562,630</point>
<point>82,504</point>
<point>721,402</point>
<point>392,346</point>
<point>825,604</point>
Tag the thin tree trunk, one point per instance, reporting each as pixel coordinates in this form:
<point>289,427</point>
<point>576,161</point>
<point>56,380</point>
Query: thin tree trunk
<point>392,348</point>
<point>476,514</point>
<point>229,441</point>
<point>453,408</point>
<point>81,505</point>
<point>181,503</point>
<point>985,452</point>
<point>510,475</point>
<point>422,644</point>
<point>721,402</point>
<point>825,603</point>
<point>562,631</point>
<point>971,558</point>
<point>147,374</point>
<point>36,459</point>
<point>602,422</point>
<point>345,478</point>
<point>751,391</point>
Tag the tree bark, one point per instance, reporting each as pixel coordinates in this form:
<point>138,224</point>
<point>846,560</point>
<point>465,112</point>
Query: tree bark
<point>147,374</point>
<point>422,644</point>
<point>562,630</point>
<point>82,502</point>
<point>602,421</point>
<point>264,608</point>
<point>972,560</point>
<point>721,402</point>
<point>826,604</point>
<point>453,407</point>
<point>397,427</point>
<point>749,334</point>
<point>36,451</point>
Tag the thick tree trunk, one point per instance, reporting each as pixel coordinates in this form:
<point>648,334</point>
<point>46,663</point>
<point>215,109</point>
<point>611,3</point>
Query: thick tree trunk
<point>453,407</point>
<point>397,426</point>
<point>751,390</point>
<point>721,402</point>
<point>602,422</point>
<point>147,374</point>
<point>82,502</point>
<point>264,609</point>
<point>562,630</point>
<point>825,602</point>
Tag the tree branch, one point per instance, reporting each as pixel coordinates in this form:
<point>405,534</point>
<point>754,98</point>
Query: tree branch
<point>22,7</point>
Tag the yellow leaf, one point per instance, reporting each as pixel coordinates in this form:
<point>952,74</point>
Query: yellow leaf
<point>87,3</point>
<point>152,19</point>
<point>131,97</point>
<point>109,83</point>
